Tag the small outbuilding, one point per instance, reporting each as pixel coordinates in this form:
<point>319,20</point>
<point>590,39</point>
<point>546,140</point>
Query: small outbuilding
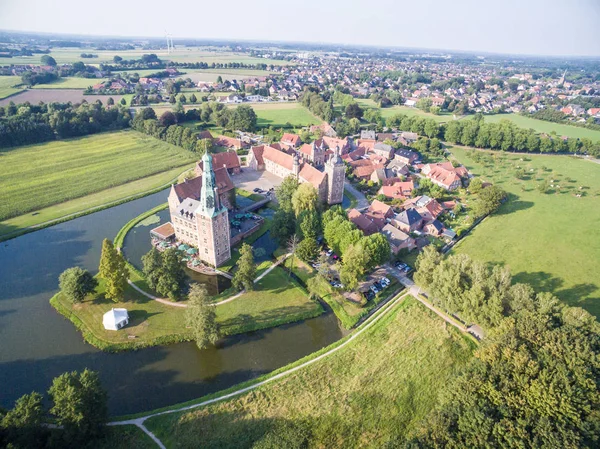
<point>115,319</point>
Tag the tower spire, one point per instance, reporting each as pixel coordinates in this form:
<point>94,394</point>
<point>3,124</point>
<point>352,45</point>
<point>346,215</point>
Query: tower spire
<point>209,197</point>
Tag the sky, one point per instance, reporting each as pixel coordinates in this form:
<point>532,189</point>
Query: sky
<point>535,27</point>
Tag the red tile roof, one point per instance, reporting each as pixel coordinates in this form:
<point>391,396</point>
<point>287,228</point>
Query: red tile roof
<point>312,175</point>
<point>278,157</point>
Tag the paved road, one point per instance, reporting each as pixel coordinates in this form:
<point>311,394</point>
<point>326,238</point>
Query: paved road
<point>362,202</point>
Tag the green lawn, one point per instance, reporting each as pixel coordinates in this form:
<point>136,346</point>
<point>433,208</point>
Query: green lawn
<point>393,110</point>
<point>71,83</point>
<point>37,176</point>
<point>278,114</point>
<point>549,240</point>
<point>543,126</point>
<point>276,300</point>
<point>372,393</point>
<point>7,84</point>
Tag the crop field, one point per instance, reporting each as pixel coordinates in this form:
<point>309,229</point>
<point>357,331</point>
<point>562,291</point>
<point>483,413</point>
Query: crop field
<point>543,126</point>
<point>411,112</point>
<point>549,240</point>
<point>34,96</point>
<point>71,82</point>
<point>181,54</point>
<point>197,75</point>
<point>7,84</point>
<point>278,114</point>
<point>372,393</point>
<point>38,176</point>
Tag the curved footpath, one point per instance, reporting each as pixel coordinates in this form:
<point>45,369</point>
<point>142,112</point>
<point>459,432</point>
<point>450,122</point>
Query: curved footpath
<point>139,422</point>
<point>176,304</point>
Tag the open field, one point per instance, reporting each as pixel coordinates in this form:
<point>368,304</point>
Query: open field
<point>549,240</point>
<point>41,175</point>
<point>274,301</point>
<point>6,85</point>
<point>543,126</point>
<point>71,82</point>
<point>372,393</point>
<point>181,54</point>
<point>94,200</point>
<point>34,96</point>
<point>209,75</point>
<point>411,112</point>
<point>278,114</point>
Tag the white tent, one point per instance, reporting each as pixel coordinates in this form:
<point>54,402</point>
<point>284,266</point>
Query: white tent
<point>115,319</point>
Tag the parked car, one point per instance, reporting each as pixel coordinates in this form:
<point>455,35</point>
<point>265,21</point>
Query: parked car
<point>374,289</point>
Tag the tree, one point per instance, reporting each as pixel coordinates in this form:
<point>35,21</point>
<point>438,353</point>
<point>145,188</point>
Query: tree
<point>168,119</point>
<point>475,185</point>
<point>435,110</point>
<point>193,99</point>
<point>219,80</point>
<point>243,118</point>
<point>284,224</point>
<point>79,405</point>
<point>308,249</point>
<point>243,279</point>
<point>285,192</point>
<point>353,110</point>
<point>354,266</point>
<point>151,267</point>
<point>23,423</point>
<point>431,128</point>
<point>113,270</point>
<point>424,104</point>
<point>182,98</point>
<point>110,101</point>
<point>172,275</point>
<point>48,60</point>
<point>292,247</point>
<point>489,200</point>
<point>200,316</point>
<point>76,283</point>
<point>378,249</point>
<point>309,223</point>
<point>123,101</point>
<point>117,59</point>
<point>305,198</point>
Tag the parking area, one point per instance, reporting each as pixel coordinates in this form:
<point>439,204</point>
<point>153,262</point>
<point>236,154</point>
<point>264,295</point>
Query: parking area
<point>250,179</point>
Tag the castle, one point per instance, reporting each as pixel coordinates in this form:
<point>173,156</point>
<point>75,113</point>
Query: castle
<point>199,216</point>
<point>329,183</point>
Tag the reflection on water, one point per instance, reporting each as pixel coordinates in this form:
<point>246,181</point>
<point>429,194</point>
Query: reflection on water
<point>38,344</point>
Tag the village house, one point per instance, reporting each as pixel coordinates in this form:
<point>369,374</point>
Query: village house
<point>229,142</point>
<point>383,150</point>
<point>445,175</point>
<point>408,157</point>
<point>228,160</point>
<point>397,190</point>
<point>408,220</point>
<point>293,140</point>
<point>397,239</point>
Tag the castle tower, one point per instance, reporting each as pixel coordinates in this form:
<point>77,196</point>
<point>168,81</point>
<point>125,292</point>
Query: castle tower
<point>212,220</point>
<point>296,165</point>
<point>336,176</point>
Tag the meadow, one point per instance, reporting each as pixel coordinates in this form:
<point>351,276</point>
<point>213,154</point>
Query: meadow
<point>37,176</point>
<point>278,114</point>
<point>276,300</point>
<point>181,54</point>
<point>7,84</point>
<point>47,95</point>
<point>411,112</point>
<point>372,393</point>
<point>71,82</point>
<point>543,126</point>
<point>549,240</point>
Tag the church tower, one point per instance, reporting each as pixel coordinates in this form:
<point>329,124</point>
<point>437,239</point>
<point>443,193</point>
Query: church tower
<point>336,176</point>
<point>212,220</point>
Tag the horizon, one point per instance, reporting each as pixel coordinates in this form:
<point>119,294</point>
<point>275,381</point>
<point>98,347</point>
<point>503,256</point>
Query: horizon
<point>404,26</point>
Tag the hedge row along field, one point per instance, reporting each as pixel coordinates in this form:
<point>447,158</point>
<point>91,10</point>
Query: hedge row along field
<point>37,176</point>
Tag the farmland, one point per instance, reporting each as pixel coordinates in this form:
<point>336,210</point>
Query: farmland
<point>279,114</point>
<point>38,176</point>
<point>181,54</point>
<point>7,84</point>
<point>371,393</point>
<point>548,240</point>
<point>71,82</point>
<point>34,96</point>
<point>543,126</point>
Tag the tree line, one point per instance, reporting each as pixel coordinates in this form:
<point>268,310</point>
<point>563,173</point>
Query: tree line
<point>27,124</point>
<point>315,104</point>
<point>78,404</point>
<point>534,381</point>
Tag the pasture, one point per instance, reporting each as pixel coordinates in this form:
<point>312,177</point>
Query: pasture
<point>411,112</point>
<point>181,54</point>
<point>37,176</point>
<point>372,393</point>
<point>543,126</point>
<point>549,240</point>
<point>7,86</point>
<point>71,82</point>
<point>34,96</point>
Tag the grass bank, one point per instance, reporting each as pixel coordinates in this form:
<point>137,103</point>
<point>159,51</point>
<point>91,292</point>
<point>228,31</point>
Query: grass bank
<point>371,393</point>
<point>8,86</point>
<point>543,126</point>
<point>548,240</point>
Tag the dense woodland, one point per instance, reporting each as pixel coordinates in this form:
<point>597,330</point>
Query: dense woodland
<point>535,380</point>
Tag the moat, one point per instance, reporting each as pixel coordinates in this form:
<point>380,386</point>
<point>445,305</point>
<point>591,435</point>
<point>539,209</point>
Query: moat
<point>38,344</point>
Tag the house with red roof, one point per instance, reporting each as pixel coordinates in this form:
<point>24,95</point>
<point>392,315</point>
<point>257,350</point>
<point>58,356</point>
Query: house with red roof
<point>229,142</point>
<point>293,140</point>
<point>228,160</point>
<point>445,175</point>
<point>398,190</point>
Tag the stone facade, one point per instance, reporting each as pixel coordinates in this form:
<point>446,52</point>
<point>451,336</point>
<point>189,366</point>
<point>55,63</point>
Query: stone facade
<point>204,222</point>
<point>336,176</point>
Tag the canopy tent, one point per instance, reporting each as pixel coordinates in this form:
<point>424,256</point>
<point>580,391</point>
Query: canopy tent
<point>182,247</point>
<point>192,251</point>
<point>115,319</point>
